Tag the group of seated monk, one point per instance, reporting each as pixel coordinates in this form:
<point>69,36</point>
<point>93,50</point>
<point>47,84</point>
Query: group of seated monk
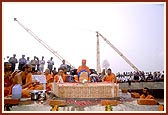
<point>24,78</point>
<point>110,77</point>
<point>60,77</point>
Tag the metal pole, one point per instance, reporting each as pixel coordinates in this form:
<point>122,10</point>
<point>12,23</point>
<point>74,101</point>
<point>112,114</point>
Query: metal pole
<point>98,55</point>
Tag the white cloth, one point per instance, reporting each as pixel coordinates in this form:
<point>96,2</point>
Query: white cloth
<point>28,62</point>
<point>41,67</point>
<point>60,80</point>
<point>42,62</point>
<point>50,62</point>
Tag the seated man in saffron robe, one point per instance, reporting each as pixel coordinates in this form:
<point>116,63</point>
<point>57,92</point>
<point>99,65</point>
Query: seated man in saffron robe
<point>24,78</point>
<point>82,68</point>
<point>49,79</point>
<point>7,79</point>
<point>145,94</point>
<point>110,77</point>
<point>60,77</point>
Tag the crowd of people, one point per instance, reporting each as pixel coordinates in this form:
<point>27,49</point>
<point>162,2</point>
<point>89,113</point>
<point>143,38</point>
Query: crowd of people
<point>140,76</point>
<point>27,68</point>
<point>38,66</point>
<point>36,63</point>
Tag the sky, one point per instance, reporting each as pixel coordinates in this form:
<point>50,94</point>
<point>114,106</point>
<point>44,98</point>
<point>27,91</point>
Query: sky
<point>135,29</point>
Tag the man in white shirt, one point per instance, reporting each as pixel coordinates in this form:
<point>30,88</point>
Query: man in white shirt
<point>28,60</point>
<point>42,63</point>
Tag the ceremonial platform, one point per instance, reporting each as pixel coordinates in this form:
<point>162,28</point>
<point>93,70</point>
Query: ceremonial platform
<point>86,90</point>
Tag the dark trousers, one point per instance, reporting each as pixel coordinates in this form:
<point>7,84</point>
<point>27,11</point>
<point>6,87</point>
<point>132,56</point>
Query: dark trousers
<point>12,67</point>
<point>20,66</point>
<point>50,68</point>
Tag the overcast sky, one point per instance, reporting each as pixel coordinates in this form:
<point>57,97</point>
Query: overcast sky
<point>137,30</point>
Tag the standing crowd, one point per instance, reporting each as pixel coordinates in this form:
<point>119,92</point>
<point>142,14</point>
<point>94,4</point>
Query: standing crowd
<point>36,63</point>
<point>140,76</point>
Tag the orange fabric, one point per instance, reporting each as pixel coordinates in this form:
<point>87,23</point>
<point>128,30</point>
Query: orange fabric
<point>77,79</point>
<point>29,79</point>
<point>8,90</point>
<point>147,97</point>
<point>110,78</point>
<point>49,78</point>
<point>161,108</point>
<point>88,78</point>
<point>63,77</point>
<point>48,86</point>
<point>56,78</point>
<point>26,91</point>
<point>80,68</point>
<point>8,83</point>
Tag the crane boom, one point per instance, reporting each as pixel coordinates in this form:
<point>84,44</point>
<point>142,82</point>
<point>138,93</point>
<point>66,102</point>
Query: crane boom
<point>43,43</point>
<point>129,62</point>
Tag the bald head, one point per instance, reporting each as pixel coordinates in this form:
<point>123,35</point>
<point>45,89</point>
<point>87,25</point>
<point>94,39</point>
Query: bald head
<point>83,62</point>
<point>47,71</point>
<point>27,68</point>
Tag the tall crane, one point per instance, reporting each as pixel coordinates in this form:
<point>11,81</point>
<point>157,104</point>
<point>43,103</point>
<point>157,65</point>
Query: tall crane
<point>43,43</point>
<point>108,42</point>
<point>98,55</point>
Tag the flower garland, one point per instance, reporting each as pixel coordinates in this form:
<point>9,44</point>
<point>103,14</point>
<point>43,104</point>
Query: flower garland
<point>56,107</point>
<point>82,103</point>
<point>108,108</point>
